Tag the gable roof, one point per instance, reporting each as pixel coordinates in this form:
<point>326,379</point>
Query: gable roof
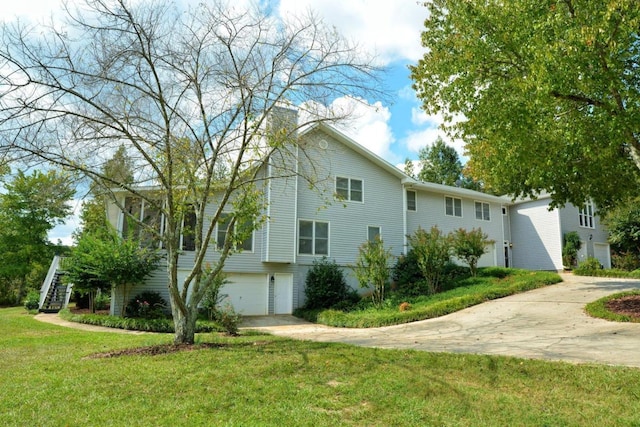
<point>406,180</point>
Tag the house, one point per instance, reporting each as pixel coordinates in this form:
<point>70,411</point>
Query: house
<point>536,234</point>
<point>375,199</point>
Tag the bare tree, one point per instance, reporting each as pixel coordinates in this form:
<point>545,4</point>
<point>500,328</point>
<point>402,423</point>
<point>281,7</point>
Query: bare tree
<point>188,93</point>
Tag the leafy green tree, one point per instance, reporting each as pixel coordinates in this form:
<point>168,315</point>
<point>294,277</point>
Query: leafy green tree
<point>432,250</point>
<point>99,262</point>
<point>372,268</point>
<point>623,224</point>
<point>30,207</point>
<point>199,99</point>
<point>548,92</point>
<point>440,163</point>
<point>470,246</point>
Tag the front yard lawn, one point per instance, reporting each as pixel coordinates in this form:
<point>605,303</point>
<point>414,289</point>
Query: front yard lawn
<point>50,377</point>
<point>490,284</point>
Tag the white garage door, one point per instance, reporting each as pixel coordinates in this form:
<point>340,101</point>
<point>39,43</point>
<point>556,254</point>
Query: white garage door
<point>248,293</point>
<point>601,252</point>
<point>489,258</point>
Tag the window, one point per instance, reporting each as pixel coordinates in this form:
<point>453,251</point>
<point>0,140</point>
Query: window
<point>453,206</point>
<point>313,238</point>
<point>243,230</point>
<point>142,220</point>
<point>504,210</point>
<point>373,233</point>
<point>411,200</point>
<point>585,216</point>
<point>188,230</point>
<point>483,211</point>
<point>349,189</point>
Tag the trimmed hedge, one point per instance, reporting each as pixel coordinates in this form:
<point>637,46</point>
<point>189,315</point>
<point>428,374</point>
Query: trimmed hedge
<point>135,323</point>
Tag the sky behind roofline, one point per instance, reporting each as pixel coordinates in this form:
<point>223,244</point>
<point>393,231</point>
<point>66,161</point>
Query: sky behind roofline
<point>390,29</point>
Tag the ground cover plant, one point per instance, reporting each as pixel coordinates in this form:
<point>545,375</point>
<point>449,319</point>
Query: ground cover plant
<point>462,292</point>
<point>56,376</point>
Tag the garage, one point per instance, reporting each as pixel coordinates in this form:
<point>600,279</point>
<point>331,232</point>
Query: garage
<point>602,253</point>
<point>248,293</point>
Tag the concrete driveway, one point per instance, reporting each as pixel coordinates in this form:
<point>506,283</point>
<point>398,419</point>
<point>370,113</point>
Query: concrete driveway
<point>547,323</point>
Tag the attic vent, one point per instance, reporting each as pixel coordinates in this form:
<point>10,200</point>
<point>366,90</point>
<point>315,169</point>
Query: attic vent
<point>323,144</point>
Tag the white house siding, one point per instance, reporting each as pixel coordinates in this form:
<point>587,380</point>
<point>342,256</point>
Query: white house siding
<point>536,236</point>
<point>430,211</point>
<point>279,230</point>
<point>156,282</point>
<point>594,240</point>
<point>382,204</point>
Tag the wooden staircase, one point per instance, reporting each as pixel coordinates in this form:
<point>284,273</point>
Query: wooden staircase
<point>54,294</point>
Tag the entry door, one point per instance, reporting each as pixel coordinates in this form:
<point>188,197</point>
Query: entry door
<point>283,293</point>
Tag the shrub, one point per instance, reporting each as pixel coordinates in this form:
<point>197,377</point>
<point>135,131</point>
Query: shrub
<point>101,301</point>
<point>372,269</point>
<point>228,318</point>
<point>406,274</point>
<point>570,248</point>
<point>433,253</point>
<point>32,300</point>
<point>589,264</point>
<point>212,298</point>
<point>325,285</point>
<point>469,246</point>
<point>628,260</point>
<point>146,305</point>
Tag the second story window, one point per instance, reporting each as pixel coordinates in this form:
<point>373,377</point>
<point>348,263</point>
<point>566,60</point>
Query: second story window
<point>225,230</point>
<point>188,230</point>
<point>483,211</point>
<point>453,206</point>
<point>349,189</point>
<point>142,221</point>
<point>586,216</point>
<point>411,200</point>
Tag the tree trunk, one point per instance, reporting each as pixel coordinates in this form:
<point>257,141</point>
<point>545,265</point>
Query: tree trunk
<point>185,326</point>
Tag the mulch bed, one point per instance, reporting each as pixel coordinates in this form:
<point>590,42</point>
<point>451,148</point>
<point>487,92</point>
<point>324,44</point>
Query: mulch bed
<point>627,306</point>
<point>153,350</point>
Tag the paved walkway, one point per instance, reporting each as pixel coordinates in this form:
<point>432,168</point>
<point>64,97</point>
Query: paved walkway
<point>547,323</point>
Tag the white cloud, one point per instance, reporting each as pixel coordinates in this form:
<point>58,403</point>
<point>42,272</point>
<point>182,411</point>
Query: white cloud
<point>390,28</point>
<point>368,126</point>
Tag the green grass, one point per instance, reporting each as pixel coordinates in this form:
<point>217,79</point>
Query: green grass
<point>608,272</point>
<point>467,292</point>
<point>599,308</point>
<point>257,380</point>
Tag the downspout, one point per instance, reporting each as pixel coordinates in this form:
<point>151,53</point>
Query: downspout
<point>295,207</point>
<point>267,233</point>
<point>404,217</point>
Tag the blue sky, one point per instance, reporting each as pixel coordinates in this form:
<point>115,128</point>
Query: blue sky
<point>395,130</point>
